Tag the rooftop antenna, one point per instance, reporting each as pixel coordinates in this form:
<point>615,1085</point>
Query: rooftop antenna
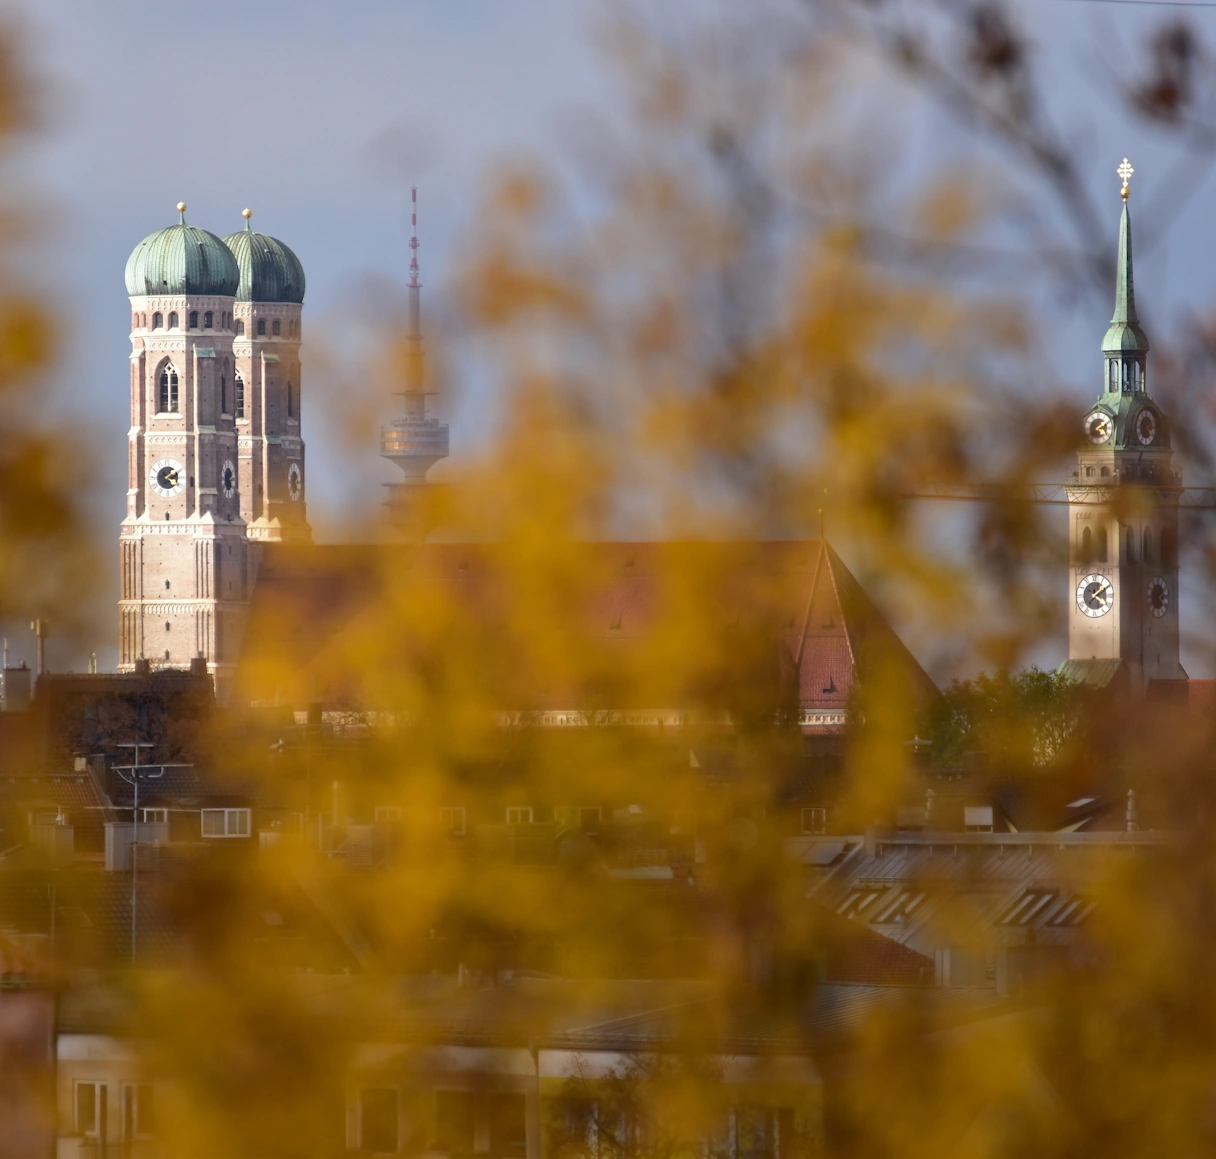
<point>414,441</point>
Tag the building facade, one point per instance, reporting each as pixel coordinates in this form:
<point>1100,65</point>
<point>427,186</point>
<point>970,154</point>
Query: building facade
<point>215,458</point>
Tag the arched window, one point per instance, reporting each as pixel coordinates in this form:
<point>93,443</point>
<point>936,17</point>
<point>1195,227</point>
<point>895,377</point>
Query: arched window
<point>1112,375</point>
<point>223,394</point>
<point>1169,548</point>
<point>261,327</point>
<point>291,401</point>
<point>134,321</point>
<point>207,320</point>
<point>158,320</point>
<point>173,320</point>
<point>1148,545</point>
<point>239,385</point>
<point>193,319</point>
<point>276,328</point>
<point>1089,472</point>
<point>240,327</point>
<point>1105,472</point>
<point>1087,546</point>
<point>166,585</point>
<point>1102,544</point>
<point>167,397</point>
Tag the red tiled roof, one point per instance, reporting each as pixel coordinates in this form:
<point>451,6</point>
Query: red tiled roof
<point>856,953</point>
<point>308,598</point>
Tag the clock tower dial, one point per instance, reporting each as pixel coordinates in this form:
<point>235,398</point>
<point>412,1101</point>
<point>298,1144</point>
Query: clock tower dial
<point>1095,595</point>
<point>1123,513</point>
<point>1098,427</point>
<point>167,478</point>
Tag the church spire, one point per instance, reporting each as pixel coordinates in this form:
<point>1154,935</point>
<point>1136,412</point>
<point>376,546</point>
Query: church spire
<point>1125,334</point>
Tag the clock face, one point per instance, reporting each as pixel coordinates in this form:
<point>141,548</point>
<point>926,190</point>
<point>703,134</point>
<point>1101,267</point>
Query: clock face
<point>1146,427</point>
<point>1098,427</point>
<point>228,480</point>
<point>1158,596</point>
<point>295,482</point>
<point>167,477</point>
<point>1095,596</point>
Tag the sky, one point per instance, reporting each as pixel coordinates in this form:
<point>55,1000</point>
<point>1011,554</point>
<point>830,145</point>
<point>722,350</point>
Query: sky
<point>319,115</point>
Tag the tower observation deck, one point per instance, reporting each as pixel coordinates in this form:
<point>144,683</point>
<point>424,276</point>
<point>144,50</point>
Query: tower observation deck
<point>414,440</point>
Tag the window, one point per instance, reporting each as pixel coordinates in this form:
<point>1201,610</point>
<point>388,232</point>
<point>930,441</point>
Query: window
<point>276,328</point>
<point>193,319</point>
<point>1148,545</point>
<point>134,321</point>
<point>859,900</point>
<point>168,626</point>
<point>240,327</point>
<point>1087,545</point>
<point>899,909</point>
<point>207,320</point>
<point>156,816</point>
<point>91,1110</point>
<point>167,397</point>
<point>589,817</point>
<point>239,385</point>
<point>158,320</point>
<point>291,401</point>
<point>138,1111</point>
<point>1103,548</point>
<point>261,327</point>
<point>166,585</point>
<point>378,1120</point>
<point>1072,913</point>
<point>977,818</point>
<point>508,1125</point>
<point>173,320</point>
<point>225,822</point>
<point>223,394</point>
<point>1112,377</point>
<point>453,820</point>
<point>454,1122</point>
<point>388,813</point>
<point>814,820</point>
<point>519,814</point>
<point>1027,907</point>
<point>1168,549</point>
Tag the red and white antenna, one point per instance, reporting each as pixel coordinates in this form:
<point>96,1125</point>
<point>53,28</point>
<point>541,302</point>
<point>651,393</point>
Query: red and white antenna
<point>415,284</point>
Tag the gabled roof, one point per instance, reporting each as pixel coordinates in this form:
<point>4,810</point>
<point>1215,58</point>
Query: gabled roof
<point>311,601</point>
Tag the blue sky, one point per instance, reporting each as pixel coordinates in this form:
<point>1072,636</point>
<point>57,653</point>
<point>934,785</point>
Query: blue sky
<point>318,115</point>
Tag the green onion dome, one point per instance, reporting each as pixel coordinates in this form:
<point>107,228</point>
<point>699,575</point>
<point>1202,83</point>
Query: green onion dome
<point>181,260</point>
<point>270,272</point>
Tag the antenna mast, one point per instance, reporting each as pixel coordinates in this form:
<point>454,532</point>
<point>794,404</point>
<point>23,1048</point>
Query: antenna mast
<point>414,441</point>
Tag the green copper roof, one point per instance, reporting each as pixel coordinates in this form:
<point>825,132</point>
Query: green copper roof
<point>181,260</point>
<point>270,272</point>
<point>1124,411</point>
<point>1124,333</point>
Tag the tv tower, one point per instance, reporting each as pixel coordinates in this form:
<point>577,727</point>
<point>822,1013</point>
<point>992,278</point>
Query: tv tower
<point>413,441</point>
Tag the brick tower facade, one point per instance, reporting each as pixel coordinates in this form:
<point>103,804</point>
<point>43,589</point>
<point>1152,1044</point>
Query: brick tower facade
<point>214,449</point>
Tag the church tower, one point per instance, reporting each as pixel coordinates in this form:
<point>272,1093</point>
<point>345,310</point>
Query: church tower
<point>1123,514</point>
<point>186,571</point>
<point>267,395</point>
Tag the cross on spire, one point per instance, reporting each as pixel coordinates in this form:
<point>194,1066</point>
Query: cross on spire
<point>1124,171</point>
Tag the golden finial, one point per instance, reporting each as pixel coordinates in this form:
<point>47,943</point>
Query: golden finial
<point>246,213</point>
<point>181,208</point>
<point>1125,171</point>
